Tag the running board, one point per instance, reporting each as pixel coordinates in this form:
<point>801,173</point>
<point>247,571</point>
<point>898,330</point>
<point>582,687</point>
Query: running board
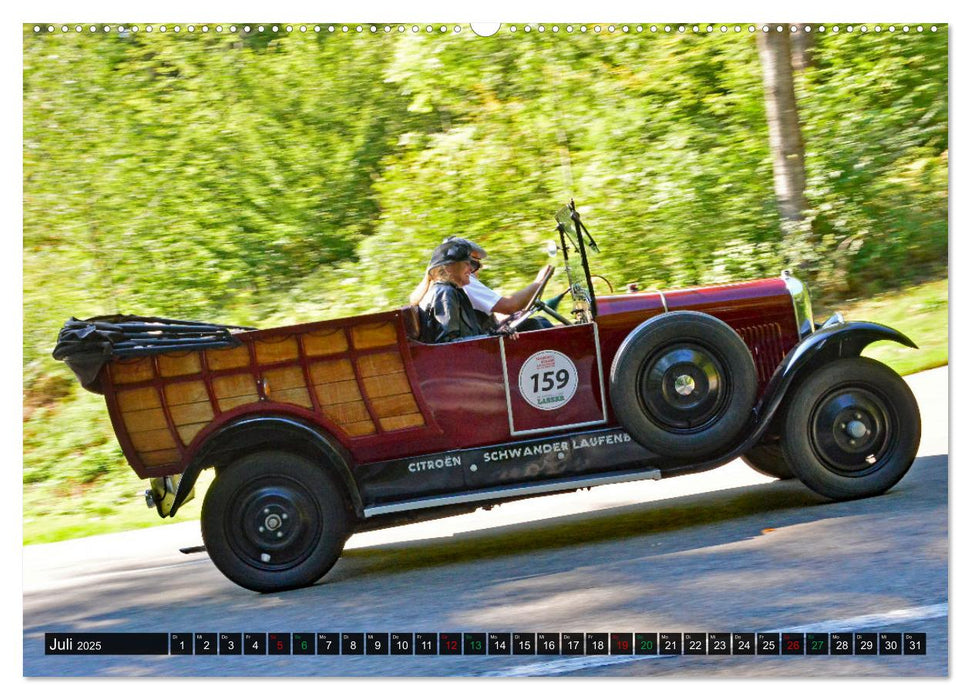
<point>511,492</point>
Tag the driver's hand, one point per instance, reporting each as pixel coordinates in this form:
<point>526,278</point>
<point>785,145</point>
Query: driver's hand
<point>540,275</point>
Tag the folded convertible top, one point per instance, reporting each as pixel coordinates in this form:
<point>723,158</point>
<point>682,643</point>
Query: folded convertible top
<point>86,345</point>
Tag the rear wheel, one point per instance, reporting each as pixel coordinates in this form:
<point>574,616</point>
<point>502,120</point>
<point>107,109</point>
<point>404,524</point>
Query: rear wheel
<point>852,429</point>
<point>273,521</point>
<point>683,384</point>
<point>767,458</point>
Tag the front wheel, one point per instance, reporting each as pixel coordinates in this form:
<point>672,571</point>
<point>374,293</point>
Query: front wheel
<point>852,429</point>
<point>273,521</point>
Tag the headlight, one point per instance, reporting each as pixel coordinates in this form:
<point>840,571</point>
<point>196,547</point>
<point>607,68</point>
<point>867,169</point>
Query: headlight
<point>801,304</point>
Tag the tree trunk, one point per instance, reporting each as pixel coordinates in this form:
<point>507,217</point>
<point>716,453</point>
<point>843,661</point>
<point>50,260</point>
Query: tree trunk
<point>785,138</point>
<point>802,48</point>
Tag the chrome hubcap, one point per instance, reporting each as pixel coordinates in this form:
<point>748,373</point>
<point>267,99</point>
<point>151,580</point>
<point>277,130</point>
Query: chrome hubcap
<point>684,385</point>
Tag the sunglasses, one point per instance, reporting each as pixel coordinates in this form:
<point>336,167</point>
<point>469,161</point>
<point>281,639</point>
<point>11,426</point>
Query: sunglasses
<point>476,265</point>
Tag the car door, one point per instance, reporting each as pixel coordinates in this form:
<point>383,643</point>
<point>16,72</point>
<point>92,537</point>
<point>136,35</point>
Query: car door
<point>553,380</point>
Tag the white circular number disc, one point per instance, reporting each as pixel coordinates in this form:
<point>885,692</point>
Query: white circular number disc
<point>548,380</point>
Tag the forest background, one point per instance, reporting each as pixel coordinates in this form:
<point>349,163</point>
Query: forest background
<point>272,177</point>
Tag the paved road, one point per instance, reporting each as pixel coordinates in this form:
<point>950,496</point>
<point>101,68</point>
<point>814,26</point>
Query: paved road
<point>718,552</point>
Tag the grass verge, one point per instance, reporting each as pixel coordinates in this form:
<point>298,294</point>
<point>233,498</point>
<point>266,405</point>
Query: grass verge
<point>920,313</point>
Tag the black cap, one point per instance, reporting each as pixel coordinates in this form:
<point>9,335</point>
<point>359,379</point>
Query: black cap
<point>474,246</point>
<point>450,252</point>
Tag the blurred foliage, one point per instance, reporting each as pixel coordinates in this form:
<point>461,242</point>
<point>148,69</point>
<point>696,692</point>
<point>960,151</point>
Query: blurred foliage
<point>281,178</point>
<point>876,133</point>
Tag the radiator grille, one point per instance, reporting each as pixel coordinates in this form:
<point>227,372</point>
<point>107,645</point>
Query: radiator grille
<point>765,342</point>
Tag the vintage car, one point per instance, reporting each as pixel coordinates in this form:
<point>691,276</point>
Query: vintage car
<point>320,430</point>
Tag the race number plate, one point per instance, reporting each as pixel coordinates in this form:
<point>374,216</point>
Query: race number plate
<point>553,379</point>
<point>548,380</point>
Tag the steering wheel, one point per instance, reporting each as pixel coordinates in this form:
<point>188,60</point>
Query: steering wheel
<point>513,321</point>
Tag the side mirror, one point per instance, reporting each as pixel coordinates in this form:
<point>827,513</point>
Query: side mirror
<point>552,249</point>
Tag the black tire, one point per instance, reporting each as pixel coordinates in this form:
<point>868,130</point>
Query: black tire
<point>273,521</point>
<point>767,459</point>
<point>852,429</point>
<point>683,384</point>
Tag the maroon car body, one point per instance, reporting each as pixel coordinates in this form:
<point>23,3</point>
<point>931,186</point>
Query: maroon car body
<point>461,390</point>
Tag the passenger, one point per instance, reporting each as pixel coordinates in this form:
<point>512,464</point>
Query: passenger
<point>485,301</point>
<point>447,313</point>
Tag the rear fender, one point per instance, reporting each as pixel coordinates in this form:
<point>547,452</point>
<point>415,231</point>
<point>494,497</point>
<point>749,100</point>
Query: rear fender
<point>270,432</point>
<point>830,342</point>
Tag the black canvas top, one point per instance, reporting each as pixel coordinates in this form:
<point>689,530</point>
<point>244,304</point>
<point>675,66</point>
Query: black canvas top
<point>86,345</point>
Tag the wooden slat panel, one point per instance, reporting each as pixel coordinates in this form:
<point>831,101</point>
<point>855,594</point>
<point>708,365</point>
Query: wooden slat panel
<point>337,392</point>
<point>285,378</point>
<point>178,364</point>
<point>333,371</point>
<point>149,419</point>
<point>276,350</point>
<point>300,397</point>
<point>400,422</point>
<point>159,457</point>
<point>233,402</point>
<point>324,342</point>
<point>362,428</point>
<point>129,371</point>
<point>138,399</point>
<point>228,358</point>
<point>287,385</point>
<point>235,390</point>
<point>386,385</point>
<point>234,385</point>
<point>185,392</point>
<point>343,413</point>
<point>373,335</point>
<point>398,405</point>
<point>187,413</point>
<point>150,440</point>
<point>380,363</point>
<point>188,432</point>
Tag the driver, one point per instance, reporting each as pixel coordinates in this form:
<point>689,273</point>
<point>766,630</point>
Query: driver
<point>447,312</point>
<point>485,301</point>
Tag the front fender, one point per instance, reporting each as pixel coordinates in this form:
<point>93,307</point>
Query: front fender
<point>830,342</point>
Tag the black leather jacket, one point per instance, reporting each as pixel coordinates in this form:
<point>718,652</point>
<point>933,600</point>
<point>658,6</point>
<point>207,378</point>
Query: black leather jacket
<point>448,315</point>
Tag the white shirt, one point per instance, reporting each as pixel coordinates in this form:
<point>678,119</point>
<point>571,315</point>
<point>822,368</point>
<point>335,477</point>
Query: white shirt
<point>483,299</point>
